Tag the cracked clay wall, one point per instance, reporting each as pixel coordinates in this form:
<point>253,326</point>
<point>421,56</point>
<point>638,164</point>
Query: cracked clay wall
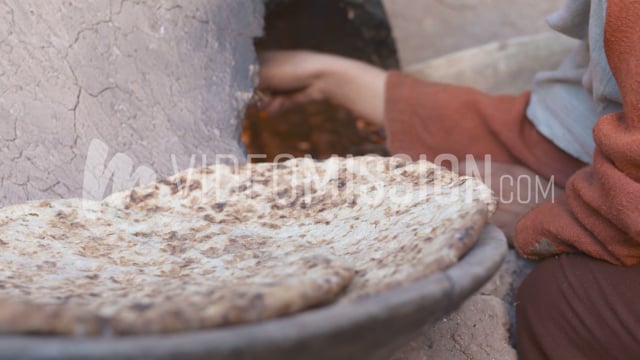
<point>105,93</point>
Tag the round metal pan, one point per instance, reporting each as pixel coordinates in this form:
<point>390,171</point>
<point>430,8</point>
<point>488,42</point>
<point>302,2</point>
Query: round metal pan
<point>368,329</point>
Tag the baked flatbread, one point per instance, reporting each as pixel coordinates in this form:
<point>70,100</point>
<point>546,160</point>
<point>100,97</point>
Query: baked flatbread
<point>226,245</point>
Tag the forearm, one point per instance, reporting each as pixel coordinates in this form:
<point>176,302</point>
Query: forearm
<point>357,86</point>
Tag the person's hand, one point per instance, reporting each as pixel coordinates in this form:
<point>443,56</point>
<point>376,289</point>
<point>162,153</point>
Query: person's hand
<point>293,77</point>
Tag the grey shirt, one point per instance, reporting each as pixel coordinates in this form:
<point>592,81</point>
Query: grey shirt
<point>566,103</point>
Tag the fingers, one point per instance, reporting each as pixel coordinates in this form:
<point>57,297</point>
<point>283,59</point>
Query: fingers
<point>277,103</point>
<point>289,78</point>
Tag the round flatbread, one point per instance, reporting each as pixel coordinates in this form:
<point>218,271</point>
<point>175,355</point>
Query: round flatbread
<point>226,245</point>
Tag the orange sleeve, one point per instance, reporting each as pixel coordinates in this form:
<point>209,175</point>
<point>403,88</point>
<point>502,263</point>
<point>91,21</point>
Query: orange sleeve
<point>427,118</point>
<point>600,215</point>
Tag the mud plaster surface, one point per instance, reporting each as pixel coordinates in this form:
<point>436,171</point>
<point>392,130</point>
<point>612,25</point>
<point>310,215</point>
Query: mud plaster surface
<point>147,78</point>
<point>427,29</point>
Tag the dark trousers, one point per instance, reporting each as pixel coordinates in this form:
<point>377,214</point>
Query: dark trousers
<point>575,307</point>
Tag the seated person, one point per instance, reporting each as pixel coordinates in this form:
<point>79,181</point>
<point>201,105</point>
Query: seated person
<point>579,127</point>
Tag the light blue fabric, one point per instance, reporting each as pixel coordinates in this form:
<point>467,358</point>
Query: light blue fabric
<point>566,103</point>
